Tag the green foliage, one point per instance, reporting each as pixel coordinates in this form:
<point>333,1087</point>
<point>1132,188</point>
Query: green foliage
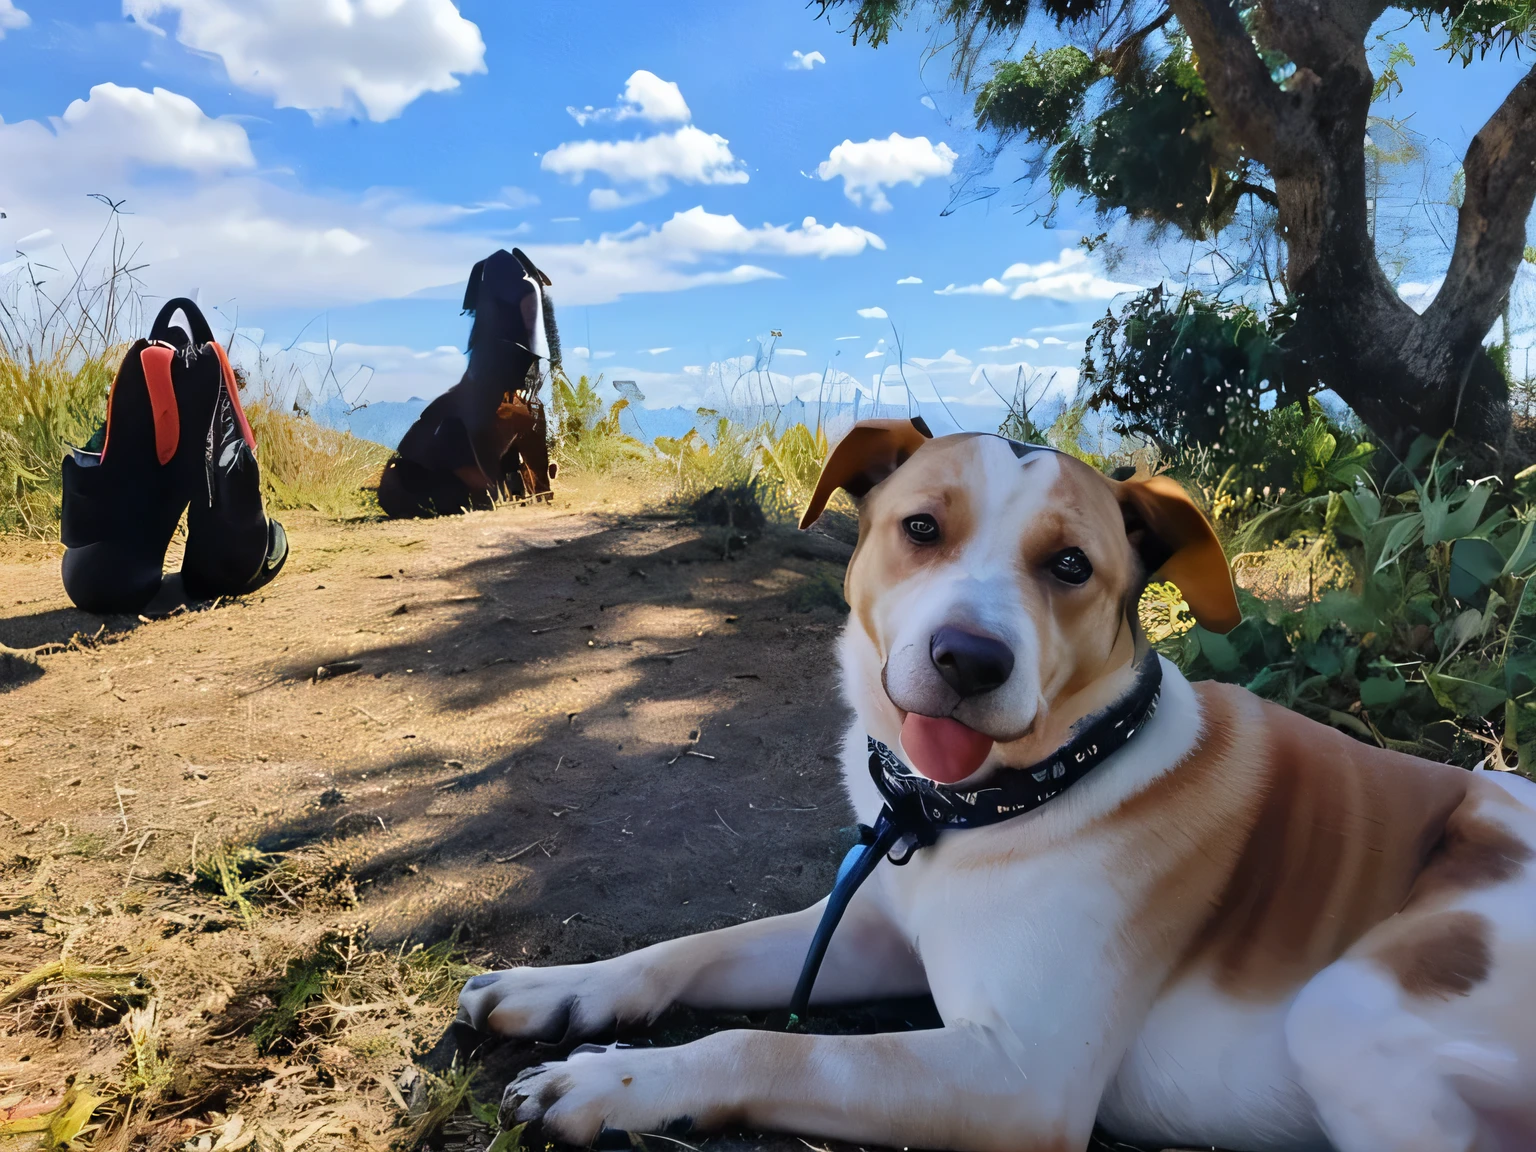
<point>1189,370</point>
<point>1153,150</point>
<point>1389,82</point>
<point>1431,649</point>
<point>779,469</point>
<point>1041,95</point>
<point>304,981</point>
<point>874,20</point>
<point>585,437</point>
<point>1474,28</point>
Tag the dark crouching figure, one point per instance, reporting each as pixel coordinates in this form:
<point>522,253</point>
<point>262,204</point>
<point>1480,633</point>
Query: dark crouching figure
<point>175,440</point>
<point>486,436</point>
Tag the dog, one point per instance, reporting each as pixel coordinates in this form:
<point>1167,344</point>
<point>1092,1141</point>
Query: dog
<point>1243,928</point>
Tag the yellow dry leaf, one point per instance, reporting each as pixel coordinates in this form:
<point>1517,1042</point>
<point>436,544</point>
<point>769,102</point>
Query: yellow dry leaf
<point>72,1116</point>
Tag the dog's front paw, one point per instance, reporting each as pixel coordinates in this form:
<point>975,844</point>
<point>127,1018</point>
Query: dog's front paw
<point>601,1093</point>
<point>568,1002</point>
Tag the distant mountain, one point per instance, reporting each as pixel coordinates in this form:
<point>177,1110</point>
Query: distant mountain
<point>385,422</point>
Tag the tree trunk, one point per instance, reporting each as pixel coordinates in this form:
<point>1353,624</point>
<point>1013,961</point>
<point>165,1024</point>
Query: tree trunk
<point>1403,373</point>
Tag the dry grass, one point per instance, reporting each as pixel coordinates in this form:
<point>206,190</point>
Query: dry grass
<point>306,465</point>
<point>45,406</point>
<point>48,405</point>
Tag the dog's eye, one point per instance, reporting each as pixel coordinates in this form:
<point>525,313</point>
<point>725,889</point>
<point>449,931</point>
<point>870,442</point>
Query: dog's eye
<point>922,529</point>
<point>1071,566</point>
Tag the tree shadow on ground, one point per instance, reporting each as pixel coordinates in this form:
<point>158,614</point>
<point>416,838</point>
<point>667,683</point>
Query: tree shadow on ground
<point>620,738</point>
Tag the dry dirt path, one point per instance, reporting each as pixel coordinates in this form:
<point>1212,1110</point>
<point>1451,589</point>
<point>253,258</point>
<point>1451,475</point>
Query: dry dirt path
<point>558,733</point>
<point>550,734</point>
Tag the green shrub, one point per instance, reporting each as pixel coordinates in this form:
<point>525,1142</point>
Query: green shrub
<point>1431,649</point>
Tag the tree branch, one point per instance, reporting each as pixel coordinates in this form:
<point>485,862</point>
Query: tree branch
<point>1257,191</point>
<point>1250,103</point>
<point>1500,168</point>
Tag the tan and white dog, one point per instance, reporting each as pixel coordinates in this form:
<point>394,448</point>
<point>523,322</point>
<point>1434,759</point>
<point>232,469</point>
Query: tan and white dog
<point>1242,929</point>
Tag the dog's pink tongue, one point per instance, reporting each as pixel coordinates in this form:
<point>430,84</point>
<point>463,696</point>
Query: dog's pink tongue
<point>942,749</point>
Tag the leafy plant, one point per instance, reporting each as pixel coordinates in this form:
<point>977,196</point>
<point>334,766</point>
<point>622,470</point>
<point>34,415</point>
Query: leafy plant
<point>585,437</point>
<point>1432,649</point>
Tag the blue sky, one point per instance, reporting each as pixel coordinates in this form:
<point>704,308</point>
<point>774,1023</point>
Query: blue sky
<point>321,180</point>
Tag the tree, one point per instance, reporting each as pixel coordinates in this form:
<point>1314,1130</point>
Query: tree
<point>1174,112</point>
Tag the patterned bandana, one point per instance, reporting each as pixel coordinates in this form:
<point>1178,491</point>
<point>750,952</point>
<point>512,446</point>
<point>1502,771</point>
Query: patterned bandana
<point>922,809</point>
<point>917,809</point>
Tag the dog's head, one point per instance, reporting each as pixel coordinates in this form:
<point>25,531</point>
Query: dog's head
<point>994,589</point>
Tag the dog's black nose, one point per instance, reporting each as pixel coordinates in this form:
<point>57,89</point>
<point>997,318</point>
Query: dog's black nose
<point>970,664</point>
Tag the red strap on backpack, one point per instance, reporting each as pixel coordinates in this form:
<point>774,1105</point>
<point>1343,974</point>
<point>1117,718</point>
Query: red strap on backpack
<point>233,389</point>
<point>156,360</point>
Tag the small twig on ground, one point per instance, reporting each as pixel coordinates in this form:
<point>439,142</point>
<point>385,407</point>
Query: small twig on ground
<point>524,850</point>
<point>728,828</point>
<point>700,755</point>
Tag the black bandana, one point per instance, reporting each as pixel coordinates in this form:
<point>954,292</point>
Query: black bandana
<point>917,809</point>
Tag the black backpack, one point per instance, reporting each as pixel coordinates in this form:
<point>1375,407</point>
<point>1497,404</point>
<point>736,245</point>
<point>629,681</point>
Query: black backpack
<point>175,439</point>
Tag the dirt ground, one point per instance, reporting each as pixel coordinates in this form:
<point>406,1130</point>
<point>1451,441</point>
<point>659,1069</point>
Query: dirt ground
<point>231,837</point>
<point>553,733</point>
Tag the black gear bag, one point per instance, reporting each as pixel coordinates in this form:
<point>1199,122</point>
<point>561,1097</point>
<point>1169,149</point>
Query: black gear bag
<point>175,439</point>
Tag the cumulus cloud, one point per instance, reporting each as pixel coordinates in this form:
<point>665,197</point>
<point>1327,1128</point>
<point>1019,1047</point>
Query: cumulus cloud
<point>115,129</point>
<point>224,227</point>
<point>692,249</point>
<point>374,55</point>
<point>647,164</point>
<point>804,61</point>
<point>876,353</point>
<point>868,169</point>
<point>875,313</point>
<point>1070,277</point>
<point>910,280</point>
<point>12,17</point>
<point>951,361</point>
<point>646,97</point>
<point>1015,342</point>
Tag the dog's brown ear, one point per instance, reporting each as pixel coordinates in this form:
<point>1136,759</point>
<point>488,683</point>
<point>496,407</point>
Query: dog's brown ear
<point>1176,543</point>
<point>871,451</point>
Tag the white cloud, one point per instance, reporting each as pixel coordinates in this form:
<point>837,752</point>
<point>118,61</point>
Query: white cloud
<point>646,97</point>
<point>951,361</point>
<point>1074,326</point>
<point>1058,342</point>
<point>115,129</point>
<point>676,255</point>
<point>872,355</point>
<point>804,61</point>
<point>849,338</point>
<point>1069,277</point>
<point>868,169</point>
<point>12,17</point>
<point>910,280</point>
<point>876,313</point>
<point>656,351</point>
<point>339,55</point>
<point>1419,295</point>
<point>688,155</point>
<point>514,197</point>
<point>247,240</point>
<point>988,287</point>
<point>791,352</point>
<point>1015,342</point>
